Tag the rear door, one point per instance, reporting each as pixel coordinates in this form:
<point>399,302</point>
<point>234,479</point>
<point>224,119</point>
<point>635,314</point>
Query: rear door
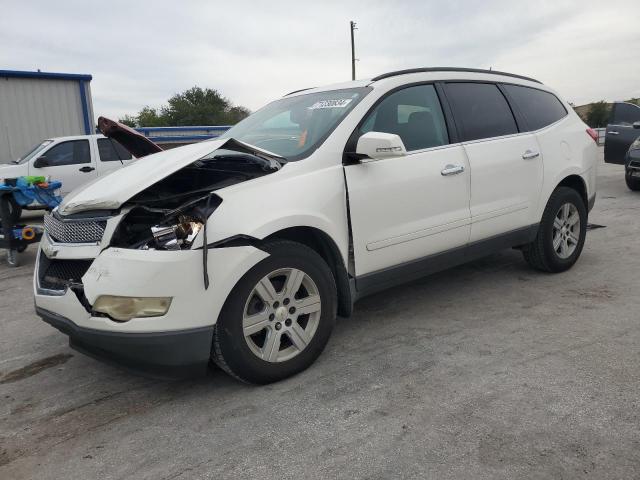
<point>620,133</point>
<point>111,156</point>
<point>69,161</point>
<point>409,207</point>
<point>506,165</point>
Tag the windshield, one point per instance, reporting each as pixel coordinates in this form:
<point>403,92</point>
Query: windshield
<point>293,127</point>
<point>32,152</point>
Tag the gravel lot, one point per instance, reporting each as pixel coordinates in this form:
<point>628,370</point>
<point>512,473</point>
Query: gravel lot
<point>489,370</point>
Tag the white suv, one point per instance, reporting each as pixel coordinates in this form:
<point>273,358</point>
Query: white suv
<point>242,250</point>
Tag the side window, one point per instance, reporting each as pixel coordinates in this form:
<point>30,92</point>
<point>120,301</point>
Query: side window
<point>413,113</point>
<point>480,110</point>
<point>625,114</point>
<point>112,151</point>
<point>538,107</point>
<point>69,153</point>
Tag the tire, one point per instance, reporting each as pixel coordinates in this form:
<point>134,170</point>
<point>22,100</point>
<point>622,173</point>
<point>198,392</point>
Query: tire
<point>632,182</point>
<point>540,253</point>
<point>270,353</point>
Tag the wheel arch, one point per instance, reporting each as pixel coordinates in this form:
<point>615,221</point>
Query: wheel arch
<point>577,183</point>
<point>324,245</point>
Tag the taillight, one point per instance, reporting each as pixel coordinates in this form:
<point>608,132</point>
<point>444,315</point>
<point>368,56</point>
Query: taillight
<point>593,134</point>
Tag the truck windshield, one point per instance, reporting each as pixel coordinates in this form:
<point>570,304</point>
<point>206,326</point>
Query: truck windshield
<point>32,152</point>
<point>294,127</point>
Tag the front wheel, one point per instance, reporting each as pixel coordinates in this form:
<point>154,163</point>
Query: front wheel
<point>278,318</point>
<point>632,182</point>
<point>561,234</point>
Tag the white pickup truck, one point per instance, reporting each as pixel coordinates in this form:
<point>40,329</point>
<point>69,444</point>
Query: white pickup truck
<point>72,160</point>
<point>80,159</point>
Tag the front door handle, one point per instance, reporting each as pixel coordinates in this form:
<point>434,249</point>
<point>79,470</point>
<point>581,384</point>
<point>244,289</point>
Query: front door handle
<point>451,170</point>
<point>613,132</point>
<point>529,154</point>
<point>86,169</point>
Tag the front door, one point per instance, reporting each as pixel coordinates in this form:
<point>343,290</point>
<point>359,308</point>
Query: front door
<point>409,207</point>
<point>69,161</point>
<point>620,132</point>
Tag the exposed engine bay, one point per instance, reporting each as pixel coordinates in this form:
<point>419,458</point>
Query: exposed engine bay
<point>169,214</point>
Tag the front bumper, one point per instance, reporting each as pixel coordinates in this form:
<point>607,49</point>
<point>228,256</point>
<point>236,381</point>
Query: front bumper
<point>174,354</point>
<point>175,344</point>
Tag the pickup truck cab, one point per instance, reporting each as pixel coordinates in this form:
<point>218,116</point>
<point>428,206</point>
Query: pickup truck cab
<point>74,161</point>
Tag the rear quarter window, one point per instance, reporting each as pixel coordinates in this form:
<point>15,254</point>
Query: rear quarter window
<point>112,151</point>
<point>480,110</point>
<point>538,107</point>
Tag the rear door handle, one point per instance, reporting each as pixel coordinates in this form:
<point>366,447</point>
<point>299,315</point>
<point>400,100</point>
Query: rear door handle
<point>86,169</point>
<point>613,132</point>
<point>451,170</point>
<point>529,154</point>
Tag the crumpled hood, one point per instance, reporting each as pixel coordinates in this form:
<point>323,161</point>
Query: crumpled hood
<point>112,191</point>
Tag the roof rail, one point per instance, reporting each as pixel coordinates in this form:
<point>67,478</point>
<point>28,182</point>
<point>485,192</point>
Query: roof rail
<point>450,69</point>
<point>298,91</point>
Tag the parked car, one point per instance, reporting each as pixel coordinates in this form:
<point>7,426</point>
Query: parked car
<point>74,161</point>
<point>621,141</point>
<point>242,249</point>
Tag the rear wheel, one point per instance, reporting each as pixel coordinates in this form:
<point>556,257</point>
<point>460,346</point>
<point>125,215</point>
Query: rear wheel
<point>632,182</point>
<point>561,234</point>
<point>278,318</point>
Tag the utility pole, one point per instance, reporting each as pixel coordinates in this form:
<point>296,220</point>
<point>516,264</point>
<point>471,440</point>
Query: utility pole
<point>353,51</point>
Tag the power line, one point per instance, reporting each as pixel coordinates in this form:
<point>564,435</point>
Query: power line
<point>353,27</point>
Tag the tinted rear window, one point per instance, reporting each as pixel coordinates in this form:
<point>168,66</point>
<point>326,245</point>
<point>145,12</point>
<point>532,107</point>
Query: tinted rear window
<point>480,110</point>
<point>538,107</point>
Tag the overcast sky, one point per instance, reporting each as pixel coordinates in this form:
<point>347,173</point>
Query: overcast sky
<point>142,52</point>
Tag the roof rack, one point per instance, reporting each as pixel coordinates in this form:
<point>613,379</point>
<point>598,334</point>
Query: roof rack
<point>298,91</point>
<point>450,69</point>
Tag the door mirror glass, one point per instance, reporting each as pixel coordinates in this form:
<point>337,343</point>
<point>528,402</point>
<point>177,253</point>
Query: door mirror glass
<point>377,145</point>
<point>41,162</point>
<point>636,125</point>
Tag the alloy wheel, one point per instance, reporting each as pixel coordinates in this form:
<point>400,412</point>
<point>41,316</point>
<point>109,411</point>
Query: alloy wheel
<point>566,230</point>
<point>281,315</point>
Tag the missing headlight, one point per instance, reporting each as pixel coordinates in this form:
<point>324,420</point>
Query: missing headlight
<point>178,236</point>
<point>159,228</point>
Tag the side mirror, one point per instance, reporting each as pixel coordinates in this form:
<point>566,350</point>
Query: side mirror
<point>636,125</point>
<point>376,145</point>
<point>41,162</point>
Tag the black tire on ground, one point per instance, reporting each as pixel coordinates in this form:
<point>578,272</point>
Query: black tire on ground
<point>632,182</point>
<point>230,350</point>
<point>540,253</point>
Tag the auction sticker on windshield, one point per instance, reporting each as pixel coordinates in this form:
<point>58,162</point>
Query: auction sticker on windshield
<point>338,103</point>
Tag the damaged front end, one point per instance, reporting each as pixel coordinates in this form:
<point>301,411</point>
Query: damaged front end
<point>161,202</point>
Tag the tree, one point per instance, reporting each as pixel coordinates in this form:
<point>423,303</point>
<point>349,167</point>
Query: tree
<point>195,106</point>
<point>598,114</point>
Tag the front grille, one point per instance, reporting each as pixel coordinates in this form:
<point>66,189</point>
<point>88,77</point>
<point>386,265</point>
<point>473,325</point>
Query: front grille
<point>57,274</point>
<point>74,231</point>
